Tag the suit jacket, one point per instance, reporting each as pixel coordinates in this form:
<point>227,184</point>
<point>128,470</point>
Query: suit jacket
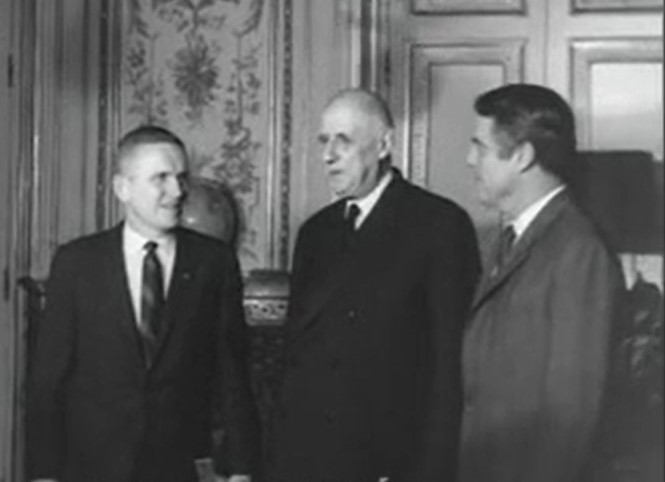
<point>95,412</point>
<point>372,384</point>
<point>536,353</point>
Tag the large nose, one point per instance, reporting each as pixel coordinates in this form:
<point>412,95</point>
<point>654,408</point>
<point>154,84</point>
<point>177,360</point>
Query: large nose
<point>472,157</point>
<point>176,187</point>
<point>329,153</point>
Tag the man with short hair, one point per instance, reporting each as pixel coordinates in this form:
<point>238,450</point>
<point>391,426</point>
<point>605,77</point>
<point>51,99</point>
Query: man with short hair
<point>143,337</point>
<point>381,284</point>
<point>536,347</point>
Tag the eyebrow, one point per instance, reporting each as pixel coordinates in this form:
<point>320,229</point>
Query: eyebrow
<point>323,138</point>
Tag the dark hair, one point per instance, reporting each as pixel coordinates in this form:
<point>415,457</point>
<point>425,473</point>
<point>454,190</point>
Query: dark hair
<point>142,135</point>
<point>369,101</point>
<point>534,114</point>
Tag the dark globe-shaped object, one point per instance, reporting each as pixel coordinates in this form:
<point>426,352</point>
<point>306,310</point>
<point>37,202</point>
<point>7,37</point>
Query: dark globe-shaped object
<point>209,208</point>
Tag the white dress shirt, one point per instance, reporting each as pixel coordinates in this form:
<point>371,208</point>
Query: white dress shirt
<point>133,249</point>
<point>367,203</point>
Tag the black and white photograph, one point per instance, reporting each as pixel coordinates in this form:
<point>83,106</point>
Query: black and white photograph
<point>332,241</point>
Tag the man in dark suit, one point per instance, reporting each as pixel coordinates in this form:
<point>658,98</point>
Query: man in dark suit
<point>536,348</point>
<point>143,337</point>
<point>382,281</point>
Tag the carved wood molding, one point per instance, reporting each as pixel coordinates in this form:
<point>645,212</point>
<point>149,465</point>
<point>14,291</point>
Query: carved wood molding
<point>588,6</point>
<point>282,96</point>
<point>265,312</point>
<point>508,54</point>
<point>110,72</point>
<point>468,7</point>
<point>375,46</point>
<point>585,53</point>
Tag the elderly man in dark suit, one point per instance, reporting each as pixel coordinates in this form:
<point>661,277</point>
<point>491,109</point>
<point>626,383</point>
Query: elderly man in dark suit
<point>143,337</point>
<point>382,282</point>
<point>536,348</point>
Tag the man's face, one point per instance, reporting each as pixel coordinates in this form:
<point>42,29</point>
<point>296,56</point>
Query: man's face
<point>352,144</point>
<point>494,172</point>
<point>152,187</point>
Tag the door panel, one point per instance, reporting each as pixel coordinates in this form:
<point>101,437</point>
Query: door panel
<point>447,78</point>
<point>443,53</point>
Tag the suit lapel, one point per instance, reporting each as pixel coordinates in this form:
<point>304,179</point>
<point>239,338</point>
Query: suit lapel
<point>118,283</point>
<point>494,279</point>
<point>318,296</point>
<point>179,289</point>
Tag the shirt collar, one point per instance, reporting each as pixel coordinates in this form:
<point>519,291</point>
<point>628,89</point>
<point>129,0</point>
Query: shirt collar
<point>526,217</point>
<point>367,203</point>
<point>134,242</point>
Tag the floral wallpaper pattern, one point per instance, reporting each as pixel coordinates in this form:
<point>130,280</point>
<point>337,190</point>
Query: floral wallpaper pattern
<point>201,68</point>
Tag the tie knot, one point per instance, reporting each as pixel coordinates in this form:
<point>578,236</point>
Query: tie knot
<point>150,247</point>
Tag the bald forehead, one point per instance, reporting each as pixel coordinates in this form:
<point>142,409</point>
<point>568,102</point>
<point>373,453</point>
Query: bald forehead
<point>364,103</point>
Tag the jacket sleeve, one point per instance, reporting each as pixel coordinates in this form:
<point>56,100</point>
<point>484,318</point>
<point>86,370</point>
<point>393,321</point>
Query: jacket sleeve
<point>49,365</point>
<point>238,410</point>
<point>580,307</point>
<point>451,280</point>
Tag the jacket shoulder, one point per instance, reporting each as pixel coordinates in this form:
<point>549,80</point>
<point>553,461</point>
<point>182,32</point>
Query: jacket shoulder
<point>90,243</point>
<point>424,205</point>
<point>323,216</point>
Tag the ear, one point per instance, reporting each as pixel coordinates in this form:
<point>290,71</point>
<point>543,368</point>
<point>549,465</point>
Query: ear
<point>120,188</point>
<point>386,144</point>
<point>524,156</point>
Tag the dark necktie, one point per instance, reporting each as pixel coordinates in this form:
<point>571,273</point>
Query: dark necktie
<point>506,242</point>
<point>152,300</point>
<point>352,213</point>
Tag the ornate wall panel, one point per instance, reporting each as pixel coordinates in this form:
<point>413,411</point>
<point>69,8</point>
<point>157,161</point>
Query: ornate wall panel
<point>213,71</point>
<point>468,6</point>
<point>444,81</point>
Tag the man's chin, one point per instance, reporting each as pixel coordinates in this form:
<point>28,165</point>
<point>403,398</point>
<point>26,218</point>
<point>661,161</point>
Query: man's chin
<point>341,191</point>
<point>169,224</point>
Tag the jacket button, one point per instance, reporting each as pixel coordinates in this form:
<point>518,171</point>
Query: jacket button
<point>351,314</point>
<point>330,418</point>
